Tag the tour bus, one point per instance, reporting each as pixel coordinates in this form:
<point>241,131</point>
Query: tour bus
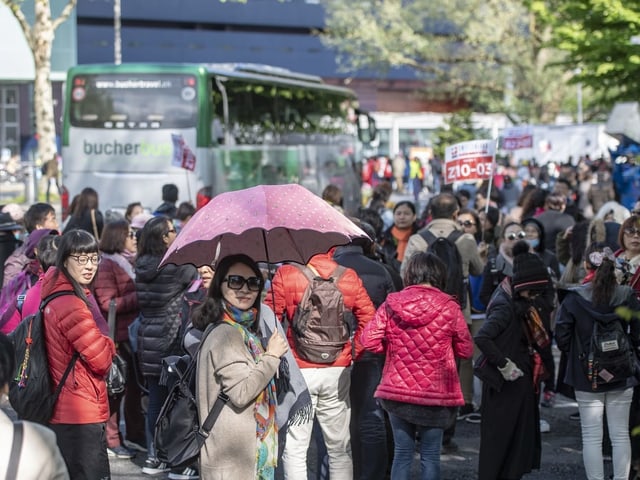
<point>208,128</point>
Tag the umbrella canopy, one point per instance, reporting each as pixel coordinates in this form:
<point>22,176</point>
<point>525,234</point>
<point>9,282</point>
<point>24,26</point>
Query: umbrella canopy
<point>269,223</point>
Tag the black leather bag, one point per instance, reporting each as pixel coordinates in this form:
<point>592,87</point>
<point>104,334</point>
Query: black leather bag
<point>488,373</point>
<point>117,376</point>
<point>178,435</point>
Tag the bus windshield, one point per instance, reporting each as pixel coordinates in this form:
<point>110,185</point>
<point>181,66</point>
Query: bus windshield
<point>134,101</point>
<point>260,113</point>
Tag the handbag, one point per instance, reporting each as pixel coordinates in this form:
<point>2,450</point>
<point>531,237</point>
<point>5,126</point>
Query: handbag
<point>540,372</point>
<point>488,373</point>
<point>117,376</point>
<point>94,225</point>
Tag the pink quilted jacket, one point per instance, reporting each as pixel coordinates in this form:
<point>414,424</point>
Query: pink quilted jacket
<point>421,330</point>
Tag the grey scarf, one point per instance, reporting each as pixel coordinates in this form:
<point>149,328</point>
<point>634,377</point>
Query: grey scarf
<point>294,404</point>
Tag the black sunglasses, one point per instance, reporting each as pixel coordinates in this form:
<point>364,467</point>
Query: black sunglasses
<point>236,282</point>
<point>513,236</point>
<point>466,223</point>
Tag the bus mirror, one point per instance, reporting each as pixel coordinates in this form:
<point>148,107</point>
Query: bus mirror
<point>367,131</point>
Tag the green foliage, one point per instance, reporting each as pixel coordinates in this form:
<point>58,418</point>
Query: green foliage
<point>600,38</point>
<point>488,53</point>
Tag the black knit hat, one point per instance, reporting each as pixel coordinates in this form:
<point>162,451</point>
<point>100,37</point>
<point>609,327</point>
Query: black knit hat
<point>529,273</point>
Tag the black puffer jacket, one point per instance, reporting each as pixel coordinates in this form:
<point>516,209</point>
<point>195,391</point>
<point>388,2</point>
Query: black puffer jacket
<point>160,297</point>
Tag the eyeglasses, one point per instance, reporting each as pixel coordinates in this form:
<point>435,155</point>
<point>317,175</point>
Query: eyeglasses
<point>236,282</point>
<point>131,234</point>
<point>513,236</point>
<point>84,259</point>
<point>632,232</point>
<point>466,223</point>
<point>173,230</point>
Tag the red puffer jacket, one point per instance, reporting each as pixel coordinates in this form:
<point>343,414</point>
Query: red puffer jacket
<point>70,327</point>
<point>288,286</point>
<point>421,330</point>
<point>113,282</point>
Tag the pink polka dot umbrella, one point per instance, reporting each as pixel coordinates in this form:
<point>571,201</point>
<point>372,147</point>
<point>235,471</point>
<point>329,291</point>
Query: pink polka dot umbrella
<point>269,223</point>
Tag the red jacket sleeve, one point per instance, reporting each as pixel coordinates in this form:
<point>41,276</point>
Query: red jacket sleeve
<point>79,326</point>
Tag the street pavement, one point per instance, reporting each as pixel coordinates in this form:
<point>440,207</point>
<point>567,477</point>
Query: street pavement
<point>561,451</point>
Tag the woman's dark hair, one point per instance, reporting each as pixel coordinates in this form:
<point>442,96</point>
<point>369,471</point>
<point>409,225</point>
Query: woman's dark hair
<point>114,236</point>
<point>578,241</point>
<point>152,235</point>
<point>540,228</point>
<point>533,202</point>
<point>632,222</point>
<point>75,242</point>
<point>407,203</point>
<point>425,267</point>
<point>129,211</point>
<point>476,220</point>
<point>88,200</point>
<point>604,282</point>
<point>212,309</point>
<point>7,360</point>
<point>185,211</point>
<point>372,217</point>
<point>48,251</point>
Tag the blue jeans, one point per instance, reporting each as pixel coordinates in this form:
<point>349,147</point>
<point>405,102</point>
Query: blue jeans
<point>404,435</point>
<point>157,396</point>
<point>368,429</point>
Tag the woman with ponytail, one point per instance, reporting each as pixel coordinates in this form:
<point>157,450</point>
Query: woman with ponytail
<point>244,356</point>
<point>598,298</point>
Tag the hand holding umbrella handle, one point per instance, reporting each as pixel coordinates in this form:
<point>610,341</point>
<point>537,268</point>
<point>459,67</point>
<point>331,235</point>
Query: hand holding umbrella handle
<point>277,345</point>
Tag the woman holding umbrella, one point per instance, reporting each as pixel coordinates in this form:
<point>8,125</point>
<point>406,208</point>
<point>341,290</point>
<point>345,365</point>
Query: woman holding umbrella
<point>238,359</point>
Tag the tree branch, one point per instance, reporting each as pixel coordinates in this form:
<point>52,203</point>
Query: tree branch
<point>22,20</point>
<point>64,14</point>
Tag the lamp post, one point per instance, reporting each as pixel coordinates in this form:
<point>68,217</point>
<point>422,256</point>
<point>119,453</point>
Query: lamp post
<point>579,118</point>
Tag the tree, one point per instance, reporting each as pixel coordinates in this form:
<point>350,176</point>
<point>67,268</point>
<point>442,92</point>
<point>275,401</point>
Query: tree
<point>600,38</point>
<point>40,37</point>
<point>490,53</point>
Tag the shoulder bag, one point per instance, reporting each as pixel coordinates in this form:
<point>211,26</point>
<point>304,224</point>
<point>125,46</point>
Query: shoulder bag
<point>117,377</point>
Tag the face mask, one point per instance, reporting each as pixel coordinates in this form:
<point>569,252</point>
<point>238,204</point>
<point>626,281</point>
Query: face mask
<point>534,242</point>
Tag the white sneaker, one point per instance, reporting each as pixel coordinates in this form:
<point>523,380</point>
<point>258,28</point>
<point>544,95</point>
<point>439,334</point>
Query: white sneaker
<point>544,426</point>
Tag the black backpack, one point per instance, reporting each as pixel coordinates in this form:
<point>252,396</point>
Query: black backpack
<point>320,326</point>
<point>445,249</point>
<point>178,435</point>
<point>610,358</point>
<point>31,390</point>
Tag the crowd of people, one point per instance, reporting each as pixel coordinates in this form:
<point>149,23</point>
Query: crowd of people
<point>538,269</point>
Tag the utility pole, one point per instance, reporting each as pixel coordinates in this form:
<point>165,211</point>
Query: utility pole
<point>117,40</point>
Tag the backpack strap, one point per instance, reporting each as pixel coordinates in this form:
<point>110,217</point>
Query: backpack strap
<point>75,355</point>
<point>16,450</point>
<point>311,273</point>
<point>455,235</point>
<point>428,236</point>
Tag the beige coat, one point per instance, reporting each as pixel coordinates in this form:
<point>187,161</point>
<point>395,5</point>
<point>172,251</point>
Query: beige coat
<point>224,360</point>
<point>40,458</point>
<point>472,264</point>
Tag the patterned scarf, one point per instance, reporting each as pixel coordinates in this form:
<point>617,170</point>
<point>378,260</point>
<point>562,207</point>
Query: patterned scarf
<point>266,402</point>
